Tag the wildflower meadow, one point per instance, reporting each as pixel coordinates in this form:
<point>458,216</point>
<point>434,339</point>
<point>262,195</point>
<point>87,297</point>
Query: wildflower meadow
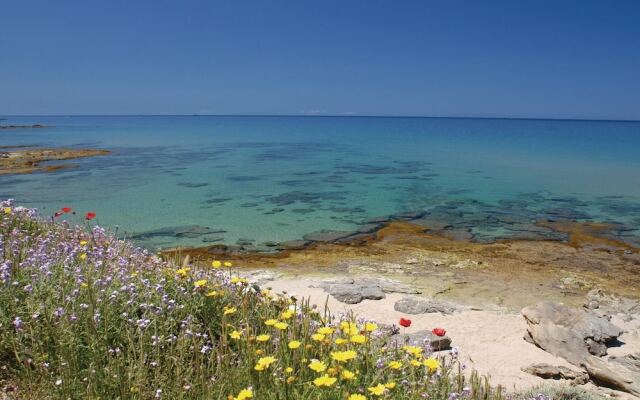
<point>84,315</point>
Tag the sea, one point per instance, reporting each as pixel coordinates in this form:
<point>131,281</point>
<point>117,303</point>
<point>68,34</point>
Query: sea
<point>257,181</point>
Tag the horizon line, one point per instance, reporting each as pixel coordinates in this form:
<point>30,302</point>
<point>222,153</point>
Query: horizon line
<point>327,116</point>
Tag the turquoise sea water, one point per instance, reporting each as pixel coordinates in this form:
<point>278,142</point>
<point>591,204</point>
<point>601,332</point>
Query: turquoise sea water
<point>261,179</point>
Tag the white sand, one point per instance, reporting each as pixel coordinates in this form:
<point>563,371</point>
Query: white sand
<point>490,342</point>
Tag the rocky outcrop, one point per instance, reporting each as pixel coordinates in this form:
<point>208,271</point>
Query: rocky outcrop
<point>26,161</point>
<point>355,290</point>
<point>547,371</point>
<point>421,338</point>
<point>621,373</point>
<point>418,305</point>
<point>572,334</point>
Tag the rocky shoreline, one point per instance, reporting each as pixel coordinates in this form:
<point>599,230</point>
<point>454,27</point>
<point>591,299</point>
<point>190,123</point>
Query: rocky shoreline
<point>27,160</point>
<point>33,126</point>
<point>595,345</point>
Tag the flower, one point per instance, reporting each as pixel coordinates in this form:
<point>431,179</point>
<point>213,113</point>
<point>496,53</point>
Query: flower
<point>294,344</point>
<point>271,322</point>
<point>216,264</point>
<point>395,364</point>
<point>287,314</point>
<point>413,350</point>
<point>390,385</point>
<point>89,216</point>
<point>245,394</point>
<point>66,210</point>
<point>317,365</point>
<point>83,243</point>
<point>7,210</point>
<point>370,327</point>
<point>343,356</point>
<point>349,327</point>
<point>281,325</point>
<point>83,256</point>
<point>358,339</point>
<point>324,380</point>
<point>325,330</point>
<point>229,310</point>
<point>235,335</point>
<point>212,293</point>
<point>431,363</point>
<point>340,341</point>
<point>228,264</point>
<point>439,331</point>
<point>265,362</point>
<point>347,375</point>
<point>200,283</point>
<point>405,322</point>
<point>357,396</point>
<point>377,390</point>
<point>183,272</point>
<point>318,337</point>
<point>263,337</point>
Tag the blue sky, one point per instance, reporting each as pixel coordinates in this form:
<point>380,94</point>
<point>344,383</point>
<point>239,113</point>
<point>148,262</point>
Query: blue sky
<point>553,59</point>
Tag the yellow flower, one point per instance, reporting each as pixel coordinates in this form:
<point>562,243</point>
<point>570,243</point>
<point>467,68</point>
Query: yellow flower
<point>395,364</point>
<point>356,396</point>
<point>270,322</point>
<point>287,314</point>
<point>390,385</point>
<point>340,341</point>
<point>216,264</point>
<point>324,380</point>
<point>290,380</point>
<point>294,344</point>
<point>235,335</point>
<point>377,390</point>
<point>317,365</point>
<point>259,352</point>
<point>343,356</point>
<point>431,363</point>
<point>318,337</point>
<point>245,394</point>
<point>7,210</point>
<point>200,283</point>
<point>415,363</point>
<point>288,370</point>
<point>332,371</point>
<point>212,293</point>
<point>228,264</point>
<point>281,325</point>
<point>229,310</point>
<point>183,272</point>
<point>347,375</point>
<point>325,330</point>
<point>83,242</point>
<point>235,280</point>
<point>83,256</point>
<point>413,350</point>
<point>370,327</point>
<point>358,339</point>
<point>263,338</point>
<point>265,362</point>
<point>349,328</point>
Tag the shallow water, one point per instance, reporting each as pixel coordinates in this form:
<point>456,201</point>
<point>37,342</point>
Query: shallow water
<point>196,180</point>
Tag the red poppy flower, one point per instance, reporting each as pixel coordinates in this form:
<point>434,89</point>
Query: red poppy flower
<point>405,322</point>
<point>90,216</point>
<point>439,331</point>
<point>67,209</point>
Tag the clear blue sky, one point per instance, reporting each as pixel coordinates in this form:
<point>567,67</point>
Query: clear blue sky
<point>556,58</point>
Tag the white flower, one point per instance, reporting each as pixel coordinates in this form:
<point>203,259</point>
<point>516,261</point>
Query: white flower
<point>59,382</point>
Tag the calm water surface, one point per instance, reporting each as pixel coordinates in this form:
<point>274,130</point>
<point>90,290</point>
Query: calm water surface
<point>201,180</point>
